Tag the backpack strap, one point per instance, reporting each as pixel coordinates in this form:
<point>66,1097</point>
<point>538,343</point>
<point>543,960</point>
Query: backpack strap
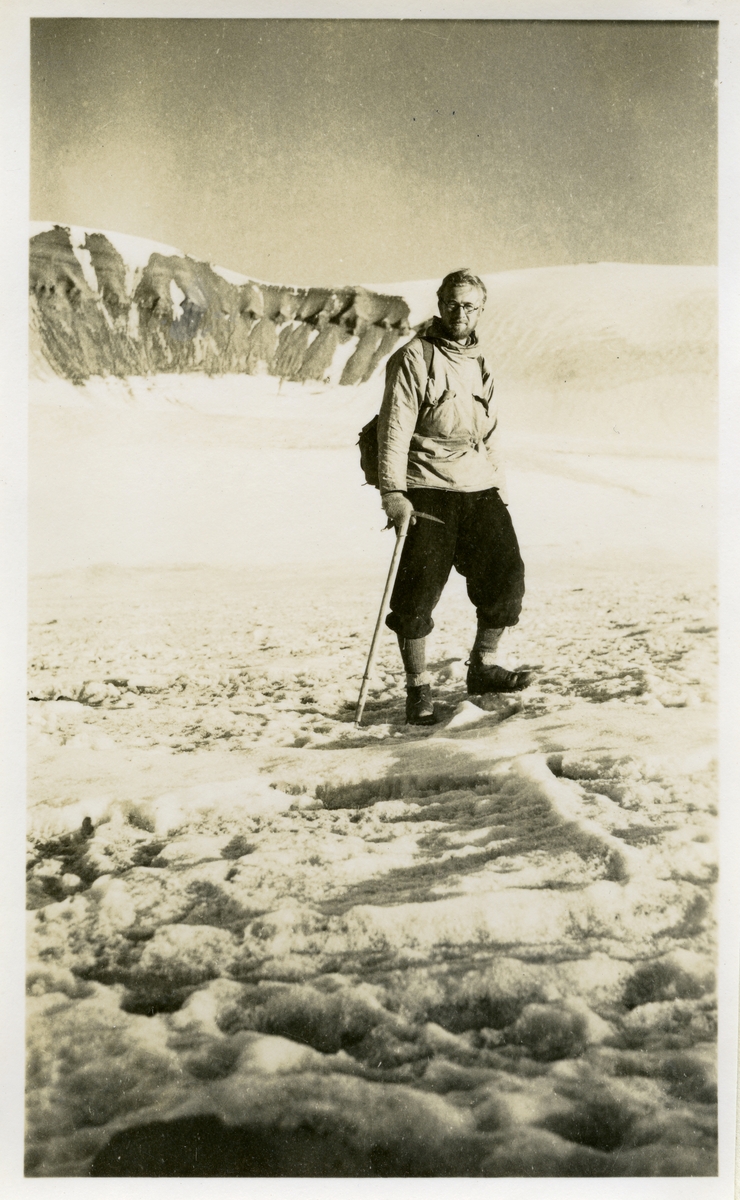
<point>427,350</point>
<point>482,365</point>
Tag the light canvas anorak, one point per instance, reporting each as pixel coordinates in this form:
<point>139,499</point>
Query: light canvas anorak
<point>439,429</point>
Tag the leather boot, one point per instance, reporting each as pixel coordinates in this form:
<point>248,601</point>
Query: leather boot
<point>419,705</point>
<point>483,678</point>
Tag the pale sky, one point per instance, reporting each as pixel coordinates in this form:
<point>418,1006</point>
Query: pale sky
<point>338,151</point>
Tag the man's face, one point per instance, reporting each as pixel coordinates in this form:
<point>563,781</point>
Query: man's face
<point>459,309</point>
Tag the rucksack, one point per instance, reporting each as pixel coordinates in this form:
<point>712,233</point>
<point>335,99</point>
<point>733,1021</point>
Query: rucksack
<point>368,439</point>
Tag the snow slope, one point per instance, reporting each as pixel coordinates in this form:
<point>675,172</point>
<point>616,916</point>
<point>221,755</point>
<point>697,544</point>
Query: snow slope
<point>622,352</point>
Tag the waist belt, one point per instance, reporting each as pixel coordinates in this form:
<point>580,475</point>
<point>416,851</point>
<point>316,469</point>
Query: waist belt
<point>471,442</point>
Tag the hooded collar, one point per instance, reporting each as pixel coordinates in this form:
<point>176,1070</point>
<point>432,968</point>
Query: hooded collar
<point>436,333</point>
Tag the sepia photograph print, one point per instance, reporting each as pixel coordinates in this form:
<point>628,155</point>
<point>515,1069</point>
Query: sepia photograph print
<point>372,679</point>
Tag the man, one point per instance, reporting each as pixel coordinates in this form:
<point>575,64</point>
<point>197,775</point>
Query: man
<point>439,455</point>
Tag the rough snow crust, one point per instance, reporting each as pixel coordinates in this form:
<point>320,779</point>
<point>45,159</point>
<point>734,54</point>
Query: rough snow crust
<point>279,945</point>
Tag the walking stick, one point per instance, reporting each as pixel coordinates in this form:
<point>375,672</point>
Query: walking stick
<point>384,605</point>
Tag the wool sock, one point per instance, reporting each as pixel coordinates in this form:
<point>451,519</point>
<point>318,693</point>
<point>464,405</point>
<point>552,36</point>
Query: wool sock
<point>486,644</point>
<point>414,655</point>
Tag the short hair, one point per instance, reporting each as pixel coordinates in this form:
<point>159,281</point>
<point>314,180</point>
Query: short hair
<point>461,276</point>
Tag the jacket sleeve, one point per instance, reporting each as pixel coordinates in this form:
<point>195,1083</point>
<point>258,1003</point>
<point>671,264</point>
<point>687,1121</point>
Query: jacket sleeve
<point>405,381</point>
<point>492,442</point>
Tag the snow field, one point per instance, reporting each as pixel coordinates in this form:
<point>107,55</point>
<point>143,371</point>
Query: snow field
<point>233,471</point>
<point>283,654</point>
<point>485,948</point>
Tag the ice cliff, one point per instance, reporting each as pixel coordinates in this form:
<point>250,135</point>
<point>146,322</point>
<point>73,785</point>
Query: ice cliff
<point>94,313</point>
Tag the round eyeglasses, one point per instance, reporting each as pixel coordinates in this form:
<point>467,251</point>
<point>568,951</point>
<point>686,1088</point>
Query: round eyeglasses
<point>455,307</point>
